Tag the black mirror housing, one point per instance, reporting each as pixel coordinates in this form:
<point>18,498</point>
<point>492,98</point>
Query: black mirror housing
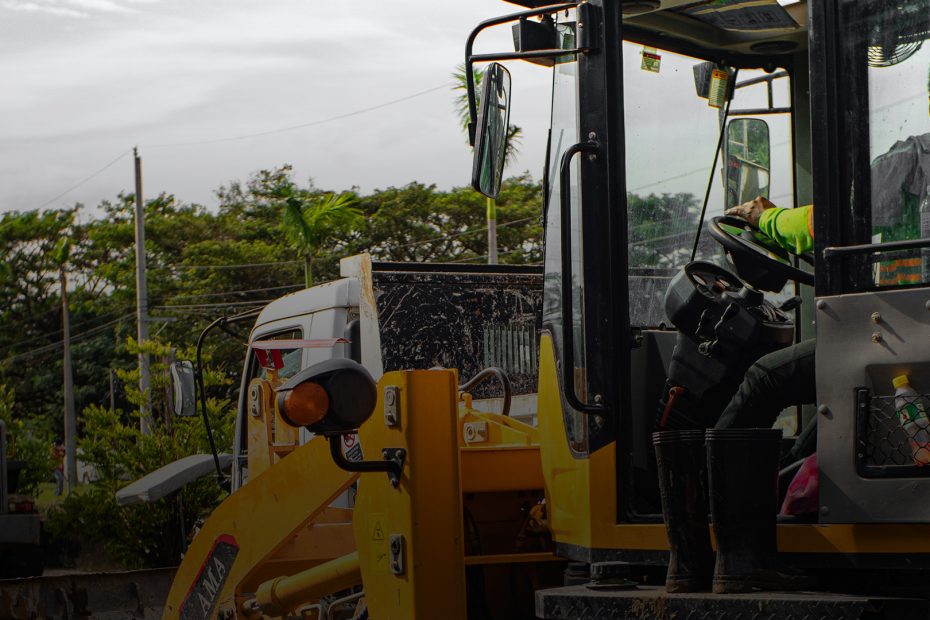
<point>351,390</point>
<point>183,389</point>
<point>747,157</point>
<point>530,36</point>
<point>493,129</point>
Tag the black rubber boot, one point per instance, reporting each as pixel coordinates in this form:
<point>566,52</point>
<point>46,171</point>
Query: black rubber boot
<point>683,488</point>
<point>742,466</point>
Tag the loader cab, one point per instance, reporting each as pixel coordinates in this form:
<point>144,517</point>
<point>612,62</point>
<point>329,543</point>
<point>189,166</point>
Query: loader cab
<point>634,179</point>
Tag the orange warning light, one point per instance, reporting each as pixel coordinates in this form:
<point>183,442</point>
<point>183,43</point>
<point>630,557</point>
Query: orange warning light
<point>306,404</point>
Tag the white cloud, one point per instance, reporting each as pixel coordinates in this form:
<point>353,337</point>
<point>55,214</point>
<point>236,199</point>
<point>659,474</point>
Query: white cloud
<point>72,8</point>
<point>100,5</point>
<point>35,7</point>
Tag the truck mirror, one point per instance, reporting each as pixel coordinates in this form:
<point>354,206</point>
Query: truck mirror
<point>747,153</point>
<point>183,389</point>
<point>493,124</point>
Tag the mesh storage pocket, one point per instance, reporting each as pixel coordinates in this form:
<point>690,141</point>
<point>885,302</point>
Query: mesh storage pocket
<point>885,447</point>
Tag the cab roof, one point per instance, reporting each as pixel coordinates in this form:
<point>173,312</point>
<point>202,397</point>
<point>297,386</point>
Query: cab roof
<point>732,27</point>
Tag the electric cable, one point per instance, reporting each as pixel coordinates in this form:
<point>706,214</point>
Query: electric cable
<point>302,125</point>
<point>85,180</point>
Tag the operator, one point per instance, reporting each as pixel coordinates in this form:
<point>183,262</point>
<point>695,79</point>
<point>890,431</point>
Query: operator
<point>784,377</point>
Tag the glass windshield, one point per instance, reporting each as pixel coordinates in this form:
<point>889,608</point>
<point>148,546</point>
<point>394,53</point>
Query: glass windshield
<point>894,35</point>
<point>671,138</point>
<point>564,134</point>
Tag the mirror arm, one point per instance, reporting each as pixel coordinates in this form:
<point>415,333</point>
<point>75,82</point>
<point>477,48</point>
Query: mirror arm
<point>568,334</point>
<point>392,465</point>
<point>759,111</point>
<point>221,323</point>
<point>470,58</point>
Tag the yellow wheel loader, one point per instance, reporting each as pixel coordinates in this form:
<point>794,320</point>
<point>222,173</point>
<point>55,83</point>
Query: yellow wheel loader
<point>368,489</point>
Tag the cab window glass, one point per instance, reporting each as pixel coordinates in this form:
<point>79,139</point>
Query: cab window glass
<point>291,358</point>
<point>671,136</point>
<point>892,39</point>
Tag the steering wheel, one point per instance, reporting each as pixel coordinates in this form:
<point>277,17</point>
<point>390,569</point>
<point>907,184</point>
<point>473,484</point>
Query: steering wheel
<point>757,258</point>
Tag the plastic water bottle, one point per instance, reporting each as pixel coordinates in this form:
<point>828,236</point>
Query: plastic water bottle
<point>913,418</point>
<point>925,234</point>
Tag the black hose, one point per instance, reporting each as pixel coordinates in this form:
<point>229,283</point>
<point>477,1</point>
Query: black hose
<point>486,374</point>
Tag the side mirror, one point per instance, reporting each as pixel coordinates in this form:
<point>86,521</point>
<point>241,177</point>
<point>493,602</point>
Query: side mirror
<point>493,123</point>
<point>329,398</point>
<point>183,389</point>
<point>747,155</point>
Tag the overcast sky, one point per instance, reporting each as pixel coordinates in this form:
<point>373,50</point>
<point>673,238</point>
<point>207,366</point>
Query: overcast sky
<point>86,80</point>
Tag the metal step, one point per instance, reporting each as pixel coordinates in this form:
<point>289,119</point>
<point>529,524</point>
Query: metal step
<point>652,603</point>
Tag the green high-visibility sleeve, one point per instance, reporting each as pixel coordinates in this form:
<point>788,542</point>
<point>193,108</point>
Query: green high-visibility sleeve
<point>790,228</point>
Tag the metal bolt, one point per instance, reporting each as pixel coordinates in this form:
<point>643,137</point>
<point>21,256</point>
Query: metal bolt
<point>821,304</point>
<point>823,410</point>
<point>876,337</point>
<point>825,510</point>
<point>876,317</point>
<point>592,136</point>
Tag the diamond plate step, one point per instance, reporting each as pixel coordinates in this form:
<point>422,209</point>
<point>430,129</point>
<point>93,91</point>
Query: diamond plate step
<point>650,603</point>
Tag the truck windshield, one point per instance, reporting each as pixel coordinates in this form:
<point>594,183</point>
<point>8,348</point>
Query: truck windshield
<point>671,136</point>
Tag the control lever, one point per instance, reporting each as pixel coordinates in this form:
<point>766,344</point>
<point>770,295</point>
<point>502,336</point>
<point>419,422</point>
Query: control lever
<point>790,304</point>
<point>708,348</point>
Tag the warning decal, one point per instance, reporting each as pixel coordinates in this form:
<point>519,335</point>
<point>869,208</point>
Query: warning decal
<point>377,544</point>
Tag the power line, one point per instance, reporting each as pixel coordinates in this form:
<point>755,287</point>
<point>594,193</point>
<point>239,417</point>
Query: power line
<point>254,302</point>
<point>468,231</point>
<point>471,258</point>
<point>303,125</point>
<point>85,180</point>
<point>50,348</point>
<point>227,293</point>
<point>237,266</point>
<point>14,345</point>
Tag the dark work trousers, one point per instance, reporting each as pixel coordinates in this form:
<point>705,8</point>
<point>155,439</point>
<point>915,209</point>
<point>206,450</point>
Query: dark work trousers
<point>778,380</point>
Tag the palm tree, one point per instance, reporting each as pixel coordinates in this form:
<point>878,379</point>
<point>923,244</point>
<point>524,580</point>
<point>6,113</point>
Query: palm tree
<point>514,135</point>
<point>310,221</point>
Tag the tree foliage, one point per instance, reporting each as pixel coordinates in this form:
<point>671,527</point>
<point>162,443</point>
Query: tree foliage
<point>202,263</point>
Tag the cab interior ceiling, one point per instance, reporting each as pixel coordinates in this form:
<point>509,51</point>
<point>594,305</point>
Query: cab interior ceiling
<point>667,27</point>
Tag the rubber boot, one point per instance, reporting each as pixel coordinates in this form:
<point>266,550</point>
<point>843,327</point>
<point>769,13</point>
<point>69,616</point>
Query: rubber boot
<point>742,466</point>
<point>683,489</point>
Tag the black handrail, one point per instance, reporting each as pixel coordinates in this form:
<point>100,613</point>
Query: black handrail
<point>874,248</point>
<point>568,335</point>
<point>470,58</point>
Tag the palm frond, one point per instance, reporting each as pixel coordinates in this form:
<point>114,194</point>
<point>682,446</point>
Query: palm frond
<point>295,223</point>
<point>461,98</point>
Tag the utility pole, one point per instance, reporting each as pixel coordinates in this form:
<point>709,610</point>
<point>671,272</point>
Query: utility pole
<point>142,303</point>
<point>70,421</point>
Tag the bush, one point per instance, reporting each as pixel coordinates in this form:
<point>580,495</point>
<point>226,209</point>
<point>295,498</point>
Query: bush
<point>144,535</point>
<point>28,444</point>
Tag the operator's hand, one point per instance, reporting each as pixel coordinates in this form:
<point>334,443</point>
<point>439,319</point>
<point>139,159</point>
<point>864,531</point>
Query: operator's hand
<point>751,211</point>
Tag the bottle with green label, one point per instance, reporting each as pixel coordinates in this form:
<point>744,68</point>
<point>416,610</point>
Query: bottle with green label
<point>913,418</point>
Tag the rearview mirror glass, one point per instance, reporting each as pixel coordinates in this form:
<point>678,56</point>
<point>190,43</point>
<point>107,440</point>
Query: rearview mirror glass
<point>183,389</point>
<point>493,123</point>
<point>747,155</point>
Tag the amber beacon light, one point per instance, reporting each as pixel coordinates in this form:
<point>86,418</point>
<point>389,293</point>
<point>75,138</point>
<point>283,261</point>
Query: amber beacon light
<point>332,397</point>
